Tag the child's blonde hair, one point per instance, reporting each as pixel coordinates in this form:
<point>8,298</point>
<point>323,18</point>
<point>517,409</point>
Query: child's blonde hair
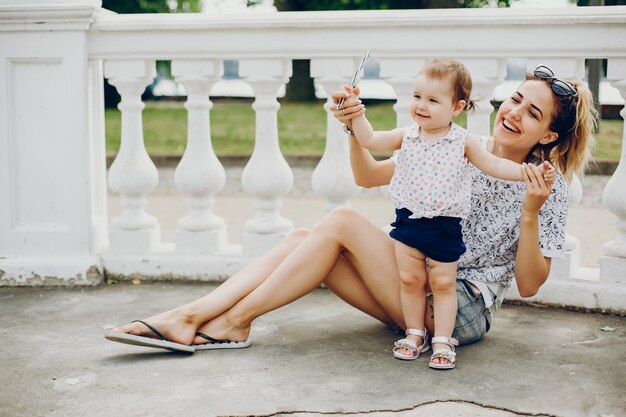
<point>574,119</point>
<point>457,73</point>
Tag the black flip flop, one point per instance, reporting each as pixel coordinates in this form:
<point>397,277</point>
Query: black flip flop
<point>162,343</point>
<point>220,344</point>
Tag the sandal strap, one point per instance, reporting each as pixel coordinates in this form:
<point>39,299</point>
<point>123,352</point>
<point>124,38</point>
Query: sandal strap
<point>450,355</point>
<point>417,332</point>
<point>405,344</point>
<point>450,341</point>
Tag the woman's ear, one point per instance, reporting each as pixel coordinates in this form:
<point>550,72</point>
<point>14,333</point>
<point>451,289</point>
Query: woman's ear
<point>549,138</point>
<point>459,107</point>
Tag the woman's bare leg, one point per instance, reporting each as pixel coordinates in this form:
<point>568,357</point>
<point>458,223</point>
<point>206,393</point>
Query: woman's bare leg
<point>343,232</point>
<point>181,323</point>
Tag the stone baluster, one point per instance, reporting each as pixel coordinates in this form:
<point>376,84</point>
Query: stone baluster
<point>567,267</point>
<point>266,176</point>
<point>613,263</point>
<point>400,74</point>
<point>333,177</point>
<point>574,69</point>
<point>199,174</point>
<point>133,174</point>
<point>487,74</point>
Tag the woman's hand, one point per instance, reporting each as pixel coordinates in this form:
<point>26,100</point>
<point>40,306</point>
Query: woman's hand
<point>351,106</point>
<point>538,180</point>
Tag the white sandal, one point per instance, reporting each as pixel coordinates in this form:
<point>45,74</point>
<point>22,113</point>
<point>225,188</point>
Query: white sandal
<point>448,355</point>
<point>411,345</point>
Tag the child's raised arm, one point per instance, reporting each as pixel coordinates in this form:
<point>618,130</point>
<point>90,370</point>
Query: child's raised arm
<point>380,141</point>
<point>490,164</point>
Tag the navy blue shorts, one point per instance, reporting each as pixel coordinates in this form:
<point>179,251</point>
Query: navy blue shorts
<point>439,238</point>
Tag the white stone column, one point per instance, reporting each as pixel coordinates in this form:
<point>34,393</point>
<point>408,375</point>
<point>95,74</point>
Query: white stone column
<point>133,174</point>
<point>332,177</point>
<point>487,74</point>
<point>199,174</point>
<point>400,73</point>
<point>51,146</point>
<point>566,267</point>
<point>266,176</point>
<point>613,263</point>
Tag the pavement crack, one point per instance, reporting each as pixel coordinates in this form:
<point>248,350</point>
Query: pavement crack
<point>366,412</point>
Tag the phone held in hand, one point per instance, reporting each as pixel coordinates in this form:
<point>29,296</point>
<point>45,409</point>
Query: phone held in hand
<point>355,77</point>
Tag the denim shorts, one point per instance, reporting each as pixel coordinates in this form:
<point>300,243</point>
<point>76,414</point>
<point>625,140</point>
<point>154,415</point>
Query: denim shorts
<point>473,319</point>
<point>439,238</point>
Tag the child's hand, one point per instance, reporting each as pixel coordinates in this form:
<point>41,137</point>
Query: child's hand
<point>549,172</point>
<point>351,106</point>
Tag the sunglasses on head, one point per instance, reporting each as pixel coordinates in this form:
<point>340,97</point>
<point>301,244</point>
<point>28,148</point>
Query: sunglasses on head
<point>560,87</point>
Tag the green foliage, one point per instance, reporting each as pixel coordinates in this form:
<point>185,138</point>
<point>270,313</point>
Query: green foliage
<point>305,5</point>
<point>301,128</point>
<point>483,3</point>
<point>150,6</point>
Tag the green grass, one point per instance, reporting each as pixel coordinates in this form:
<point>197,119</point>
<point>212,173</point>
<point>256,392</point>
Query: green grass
<point>301,128</point>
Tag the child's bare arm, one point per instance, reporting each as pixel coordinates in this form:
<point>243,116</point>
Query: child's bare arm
<point>380,141</point>
<point>490,164</point>
<point>501,167</point>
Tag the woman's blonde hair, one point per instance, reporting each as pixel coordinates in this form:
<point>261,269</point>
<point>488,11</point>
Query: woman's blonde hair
<point>575,120</point>
<point>459,76</point>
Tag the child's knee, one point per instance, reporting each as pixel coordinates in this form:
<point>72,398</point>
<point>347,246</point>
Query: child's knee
<point>410,279</point>
<point>442,283</point>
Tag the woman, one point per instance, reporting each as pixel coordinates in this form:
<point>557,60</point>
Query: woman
<point>513,232</point>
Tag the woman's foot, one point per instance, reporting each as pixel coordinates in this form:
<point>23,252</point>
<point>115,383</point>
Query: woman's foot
<point>174,326</point>
<point>221,328</point>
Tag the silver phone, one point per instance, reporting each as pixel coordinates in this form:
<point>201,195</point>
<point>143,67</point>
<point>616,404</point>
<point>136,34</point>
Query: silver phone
<point>355,77</point>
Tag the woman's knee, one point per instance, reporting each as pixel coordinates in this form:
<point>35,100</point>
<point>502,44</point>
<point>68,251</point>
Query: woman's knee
<point>339,219</point>
<point>298,235</point>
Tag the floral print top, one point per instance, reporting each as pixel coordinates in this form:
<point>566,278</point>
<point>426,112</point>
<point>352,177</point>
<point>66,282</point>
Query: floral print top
<point>432,179</point>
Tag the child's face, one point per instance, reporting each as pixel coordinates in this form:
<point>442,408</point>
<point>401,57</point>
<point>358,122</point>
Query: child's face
<point>433,105</point>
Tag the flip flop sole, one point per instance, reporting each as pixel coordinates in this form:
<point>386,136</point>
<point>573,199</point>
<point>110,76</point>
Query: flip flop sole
<point>225,345</point>
<point>131,339</point>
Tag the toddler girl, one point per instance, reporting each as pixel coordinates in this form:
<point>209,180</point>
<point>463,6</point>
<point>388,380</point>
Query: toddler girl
<point>431,191</point>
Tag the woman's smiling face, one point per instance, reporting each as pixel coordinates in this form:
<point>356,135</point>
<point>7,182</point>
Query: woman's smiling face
<point>524,119</point>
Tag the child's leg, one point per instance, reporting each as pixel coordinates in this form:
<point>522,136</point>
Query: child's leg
<point>412,267</point>
<point>442,281</point>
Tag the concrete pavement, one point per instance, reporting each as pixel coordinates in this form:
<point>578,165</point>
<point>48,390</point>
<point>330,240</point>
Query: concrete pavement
<point>316,355</point>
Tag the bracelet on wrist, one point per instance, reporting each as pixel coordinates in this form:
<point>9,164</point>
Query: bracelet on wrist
<point>348,130</point>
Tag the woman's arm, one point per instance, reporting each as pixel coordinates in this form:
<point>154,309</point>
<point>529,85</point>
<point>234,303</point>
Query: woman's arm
<point>367,171</point>
<point>531,267</point>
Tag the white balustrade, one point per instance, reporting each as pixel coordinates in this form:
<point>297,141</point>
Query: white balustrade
<point>400,74</point>
<point>487,74</point>
<point>132,174</point>
<point>266,176</point>
<point>199,173</point>
<point>79,39</point>
<point>566,267</point>
<point>613,263</point>
<point>332,177</point>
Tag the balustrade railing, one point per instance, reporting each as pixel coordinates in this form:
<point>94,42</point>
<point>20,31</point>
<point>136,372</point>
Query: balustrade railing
<point>83,44</point>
